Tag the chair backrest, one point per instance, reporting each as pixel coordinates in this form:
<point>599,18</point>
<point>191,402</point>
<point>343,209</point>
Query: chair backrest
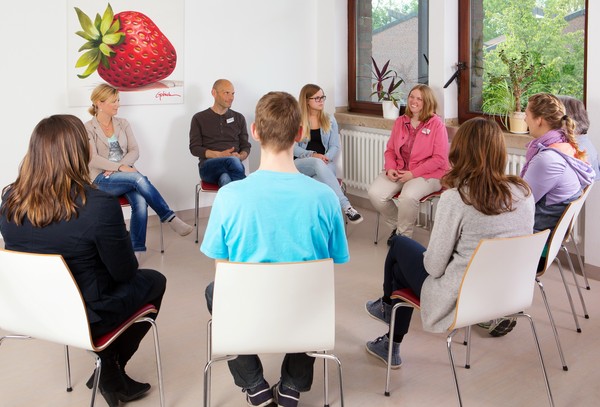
<point>273,308</point>
<point>578,203</point>
<point>39,298</point>
<point>499,279</point>
<point>561,229</point>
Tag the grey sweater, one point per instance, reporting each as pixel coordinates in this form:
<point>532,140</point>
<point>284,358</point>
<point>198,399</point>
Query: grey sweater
<point>455,235</point>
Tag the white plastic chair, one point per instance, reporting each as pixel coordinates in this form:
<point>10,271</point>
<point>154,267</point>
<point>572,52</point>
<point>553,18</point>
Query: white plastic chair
<point>555,243</point>
<point>40,299</point>
<point>570,237</point>
<point>499,282</point>
<point>292,307</point>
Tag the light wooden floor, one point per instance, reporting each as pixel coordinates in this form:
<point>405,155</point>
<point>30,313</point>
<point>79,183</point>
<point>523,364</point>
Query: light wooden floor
<point>504,371</point>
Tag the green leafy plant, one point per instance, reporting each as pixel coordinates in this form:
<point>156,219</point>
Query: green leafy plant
<point>380,88</point>
<point>523,71</point>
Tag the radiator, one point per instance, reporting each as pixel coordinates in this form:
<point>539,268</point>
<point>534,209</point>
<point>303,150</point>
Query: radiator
<point>515,161</point>
<point>363,157</point>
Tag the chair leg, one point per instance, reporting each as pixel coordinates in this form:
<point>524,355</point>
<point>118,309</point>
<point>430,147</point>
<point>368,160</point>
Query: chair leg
<point>562,276</point>
<point>376,229</point>
<point>391,340</point>
<point>97,372</point>
<point>207,371</point>
<point>579,258</point>
<point>68,369</point>
<point>585,311</point>
<point>196,209</point>
<point>553,325</point>
<point>161,392</point>
<point>451,357</point>
<point>539,352</point>
<point>325,383</point>
<point>467,342</point>
<point>208,355</point>
<point>162,241</point>
<point>328,356</point>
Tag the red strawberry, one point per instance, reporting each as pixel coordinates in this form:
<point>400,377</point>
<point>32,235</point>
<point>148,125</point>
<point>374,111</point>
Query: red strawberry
<point>127,49</point>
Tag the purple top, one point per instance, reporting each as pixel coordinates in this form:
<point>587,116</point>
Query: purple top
<point>556,175</point>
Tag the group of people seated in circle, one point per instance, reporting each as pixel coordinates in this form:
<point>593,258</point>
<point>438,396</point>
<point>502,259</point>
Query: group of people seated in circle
<point>64,201</point>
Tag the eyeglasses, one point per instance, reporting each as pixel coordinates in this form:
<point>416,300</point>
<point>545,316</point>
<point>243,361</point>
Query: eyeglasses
<point>319,98</point>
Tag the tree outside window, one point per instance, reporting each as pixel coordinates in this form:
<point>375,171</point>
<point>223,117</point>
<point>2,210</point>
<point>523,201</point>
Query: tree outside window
<point>548,33</point>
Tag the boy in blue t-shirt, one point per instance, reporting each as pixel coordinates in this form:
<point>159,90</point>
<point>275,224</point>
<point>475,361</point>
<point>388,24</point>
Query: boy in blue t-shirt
<point>276,214</point>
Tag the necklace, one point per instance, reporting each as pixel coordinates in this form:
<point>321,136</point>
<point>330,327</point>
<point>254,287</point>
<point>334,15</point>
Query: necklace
<point>105,126</point>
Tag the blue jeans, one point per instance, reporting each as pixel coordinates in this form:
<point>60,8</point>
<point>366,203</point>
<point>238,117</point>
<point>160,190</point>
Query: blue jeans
<point>222,170</point>
<point>403,268</point>
<point>317,169</point>
<point>140,193</point>
<point>247,371</point>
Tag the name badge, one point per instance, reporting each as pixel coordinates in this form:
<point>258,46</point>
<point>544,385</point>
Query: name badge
<point>230,120</point>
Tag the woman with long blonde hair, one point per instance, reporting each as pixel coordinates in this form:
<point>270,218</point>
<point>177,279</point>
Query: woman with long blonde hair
<point>555,168</point>
<point>481,202</point>
<point>319,147</point>
<point>53,208</point>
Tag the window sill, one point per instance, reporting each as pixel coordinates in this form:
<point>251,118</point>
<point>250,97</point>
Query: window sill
<point>344,117</point>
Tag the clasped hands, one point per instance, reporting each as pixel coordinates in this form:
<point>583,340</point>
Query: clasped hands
<point>399,175</point>
<point>228,153</point>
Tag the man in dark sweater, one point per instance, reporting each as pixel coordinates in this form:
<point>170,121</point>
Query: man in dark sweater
<point>219,138</point>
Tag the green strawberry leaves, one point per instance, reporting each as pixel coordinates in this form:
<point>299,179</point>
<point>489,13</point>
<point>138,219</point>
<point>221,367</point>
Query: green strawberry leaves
<point>100,36</point>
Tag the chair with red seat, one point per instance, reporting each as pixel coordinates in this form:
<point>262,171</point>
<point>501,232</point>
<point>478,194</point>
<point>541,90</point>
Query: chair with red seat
<point>429,199</point>
<point>499,282</point>
<point>125,203</point>
<point>202,186</point>
<point>29,284</point>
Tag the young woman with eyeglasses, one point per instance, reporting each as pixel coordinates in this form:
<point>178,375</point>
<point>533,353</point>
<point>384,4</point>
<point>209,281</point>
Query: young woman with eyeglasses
<point>319,146</point>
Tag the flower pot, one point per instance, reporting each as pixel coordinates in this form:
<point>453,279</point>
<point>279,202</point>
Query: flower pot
<point>516,123</point>
<point>389,110</point>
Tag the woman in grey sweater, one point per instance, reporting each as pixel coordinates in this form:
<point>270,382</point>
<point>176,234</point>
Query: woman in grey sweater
<point>481,202</point>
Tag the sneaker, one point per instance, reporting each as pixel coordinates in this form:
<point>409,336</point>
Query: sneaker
<point>260,395</point>
<point>502,326</point>
<point>352,215</point>
<point>379,310</point>
<point>379,348</point>
<point>392,236</point>
<point>284,396</point>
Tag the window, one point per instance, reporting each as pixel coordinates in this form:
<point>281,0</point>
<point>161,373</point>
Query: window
<point>394,30</point>
<point>550,34</point>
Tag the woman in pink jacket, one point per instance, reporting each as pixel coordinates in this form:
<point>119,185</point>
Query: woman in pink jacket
<point>416,157</point>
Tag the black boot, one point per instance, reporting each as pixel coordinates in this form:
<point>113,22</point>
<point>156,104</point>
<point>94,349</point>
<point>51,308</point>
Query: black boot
<point>133,390</point>
<point>111,383</point>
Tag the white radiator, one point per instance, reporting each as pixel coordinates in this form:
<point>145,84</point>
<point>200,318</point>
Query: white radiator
<point>515,162</point>
<point>363,157</point>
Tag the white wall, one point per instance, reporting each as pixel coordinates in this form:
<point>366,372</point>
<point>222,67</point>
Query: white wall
<point>260,45</point>
<point>592,206</point>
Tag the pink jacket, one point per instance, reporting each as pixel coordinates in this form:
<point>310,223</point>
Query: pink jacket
<point>429,156</point>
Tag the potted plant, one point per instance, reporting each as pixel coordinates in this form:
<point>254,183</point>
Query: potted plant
<point>388,94</point>
<point>505,93</point>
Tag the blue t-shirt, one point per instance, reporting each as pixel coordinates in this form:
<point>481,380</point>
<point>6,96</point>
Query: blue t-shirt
<point>275,217</point>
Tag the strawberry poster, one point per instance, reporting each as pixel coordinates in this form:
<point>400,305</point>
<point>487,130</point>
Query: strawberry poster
<point>135,46</point>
